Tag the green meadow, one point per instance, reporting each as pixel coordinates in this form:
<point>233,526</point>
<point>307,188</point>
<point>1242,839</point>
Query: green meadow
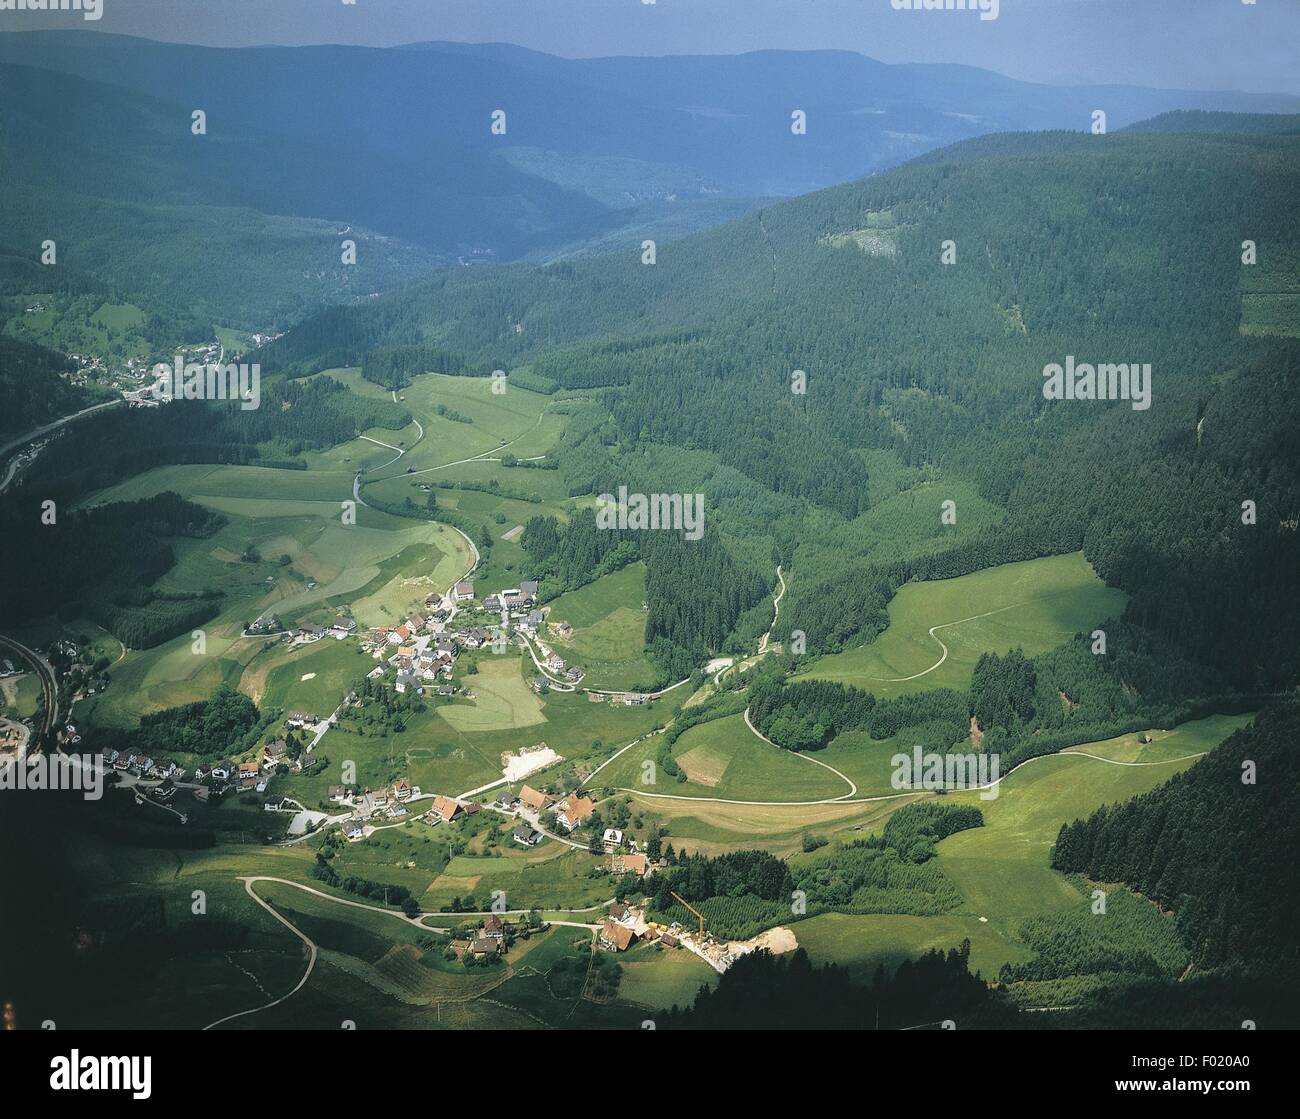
<point>608,622</point>
<point>724,759</point>
<point>380,568</point>
<point>1003,868</point>
<point>1036,605</point>
<point>550,875</point>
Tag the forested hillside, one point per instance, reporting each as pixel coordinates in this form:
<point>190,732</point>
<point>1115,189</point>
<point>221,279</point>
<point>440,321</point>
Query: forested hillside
<point>1215,844</point>
<point>32,389</point>
<point>1126,248</point>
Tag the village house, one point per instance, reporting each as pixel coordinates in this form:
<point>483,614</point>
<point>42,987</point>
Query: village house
<point>506,800</point>
<point>276,752</point>
<point>485,946</point>
<point>354,828</point>
<point>526,835</point>
<point>494,927</point>
<point>528,588</point>
<point>339,794</point>
<point>309,632</point>
<point>612,840</point>
<point>406,681</point>
<point>299,719</point>
<point>402,789</point>
<point>464,592</point>
<point>342,627</point>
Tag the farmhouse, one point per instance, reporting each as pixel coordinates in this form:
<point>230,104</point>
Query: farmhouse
<point>299,719</point>
<point>447,809</point>
<point>531,798</point>
<point>616,937</point>
<point>494,928</point>
<point>621,863</point>
<point>486,946</point>
<point>506,800</point>
<point>343,626</point>
<point>573,811</point>
<point>309,632</point>
<point>464,592</point>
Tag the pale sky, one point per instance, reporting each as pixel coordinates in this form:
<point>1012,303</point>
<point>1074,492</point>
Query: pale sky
<point>1185,44</point>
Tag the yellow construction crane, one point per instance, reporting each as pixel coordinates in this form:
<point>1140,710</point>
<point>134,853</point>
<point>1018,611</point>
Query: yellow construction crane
<point>692,909</point>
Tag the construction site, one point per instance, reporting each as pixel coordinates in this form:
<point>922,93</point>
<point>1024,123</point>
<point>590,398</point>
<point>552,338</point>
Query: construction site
<point>626,924</point>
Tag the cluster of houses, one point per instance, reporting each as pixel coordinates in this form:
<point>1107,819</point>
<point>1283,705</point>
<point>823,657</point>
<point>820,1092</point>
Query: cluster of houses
<point>74,668</point>
<point>390,802</point>
<point>624,925</point>
<point>515,600</point>
<point>142,765</point>
<point>571,811</point>
<point>393,803</point>
<point>307,632</point>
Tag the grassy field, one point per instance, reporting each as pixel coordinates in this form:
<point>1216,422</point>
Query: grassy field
<point>724,759</point>
<point>863,943</point>
<point>537,877</point>
<point>1036,605</point>
<point>608,630</point>
<point>716,828</point>
<point>518,422</point>
<point>379,567</point>
<point>501,699</point>
<point>312,679</point>
<point>1003,868</point>
<point>659,978</point>
<point>21,695</point>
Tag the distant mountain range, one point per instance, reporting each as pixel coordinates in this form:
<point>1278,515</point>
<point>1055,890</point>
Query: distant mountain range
<point>396,145</point>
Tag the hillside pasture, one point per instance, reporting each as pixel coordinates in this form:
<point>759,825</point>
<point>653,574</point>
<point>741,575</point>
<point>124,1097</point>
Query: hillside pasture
<point>1036,605</point>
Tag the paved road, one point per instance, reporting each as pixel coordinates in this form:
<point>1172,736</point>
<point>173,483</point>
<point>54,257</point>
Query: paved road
<point>48,684</point>
<point>36,433</point>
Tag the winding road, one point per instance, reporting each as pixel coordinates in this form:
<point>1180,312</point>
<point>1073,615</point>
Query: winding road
<point>933,633</point>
